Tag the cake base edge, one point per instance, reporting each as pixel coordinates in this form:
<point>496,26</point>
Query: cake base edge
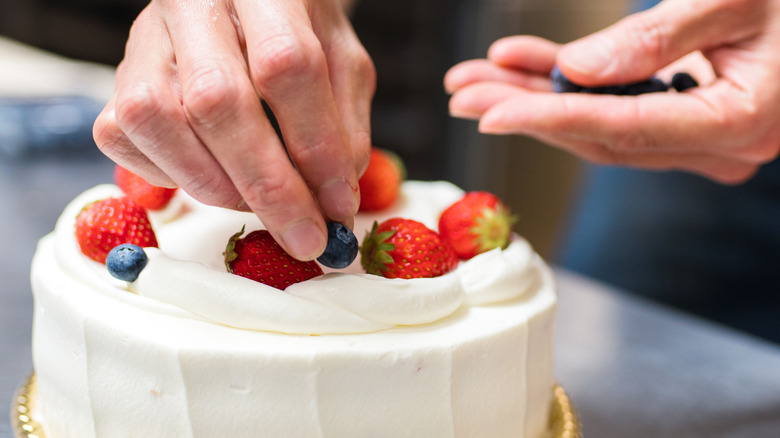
<point>563,422</point>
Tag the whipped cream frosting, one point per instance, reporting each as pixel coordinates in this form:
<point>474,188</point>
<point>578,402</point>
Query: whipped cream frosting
<point>189,350</point>
<point>186,276</point>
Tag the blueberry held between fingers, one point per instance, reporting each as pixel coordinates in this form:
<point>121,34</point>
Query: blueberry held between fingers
<point>342,247</point>
<point>683,81</point>
<point>652,85</point>
<point>126,261</point>
<point>561,84</point>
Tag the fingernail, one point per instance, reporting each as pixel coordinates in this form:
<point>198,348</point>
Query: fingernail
<point>338,199</point>
<point>589,57</point>
<point>304,240</point>
<point>243,206</point>
<point>463,113</point>
<point>495,123</point>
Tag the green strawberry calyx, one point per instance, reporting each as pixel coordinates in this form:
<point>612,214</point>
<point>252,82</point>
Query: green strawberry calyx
<point>374,253</point>
<point>493,227</point>
<point>230,250</point>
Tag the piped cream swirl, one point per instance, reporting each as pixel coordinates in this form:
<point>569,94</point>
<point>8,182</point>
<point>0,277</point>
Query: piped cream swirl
<point>186,276</point>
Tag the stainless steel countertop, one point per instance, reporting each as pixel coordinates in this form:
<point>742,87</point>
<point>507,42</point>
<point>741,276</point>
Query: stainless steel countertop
<point>633,369</point>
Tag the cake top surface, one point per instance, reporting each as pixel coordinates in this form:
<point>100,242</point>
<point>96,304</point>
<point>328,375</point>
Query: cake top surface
<point>186,275</point>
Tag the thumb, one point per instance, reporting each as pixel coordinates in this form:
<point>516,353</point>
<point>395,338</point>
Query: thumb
<point>641,44</point>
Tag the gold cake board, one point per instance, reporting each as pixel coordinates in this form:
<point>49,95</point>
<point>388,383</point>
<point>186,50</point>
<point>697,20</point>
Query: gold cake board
<point>563,418</point>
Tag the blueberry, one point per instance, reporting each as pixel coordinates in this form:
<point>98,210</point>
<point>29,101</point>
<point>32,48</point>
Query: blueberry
<point>683,81</point>
<point>651,85</point>
<point>126,261</point>
<point>342,247</point>
<point>617,90</point>
<point>561,84</point>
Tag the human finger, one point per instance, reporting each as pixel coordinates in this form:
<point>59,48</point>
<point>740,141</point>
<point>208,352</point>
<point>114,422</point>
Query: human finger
<point>224,110</point>
<point>640,44</point>
<point>289,68</point>
<point>482,99</point>
<point>481,70</point>
<point>352,76</point>
<point>149,113</point>
<point>472,101</point>
<point>524,52</point>
<point>113,142</point>
<point>716,120</point>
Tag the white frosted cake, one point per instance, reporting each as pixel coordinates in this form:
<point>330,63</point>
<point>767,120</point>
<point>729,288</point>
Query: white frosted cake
<point>190,350</point>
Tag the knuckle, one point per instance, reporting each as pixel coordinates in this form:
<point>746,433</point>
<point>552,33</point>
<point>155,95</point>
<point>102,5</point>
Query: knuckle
<point>268,193</point>
<point>315,152</point>
<point>107,133</point>
<point>286,56</point>
<point>362,64</point>
<point>210,93</point>
<point>360,139</point>
<point>361,151</point>
<point>137,105</point>
<point>650,35</point>
<point>634,134</point>
<point>212,188</point>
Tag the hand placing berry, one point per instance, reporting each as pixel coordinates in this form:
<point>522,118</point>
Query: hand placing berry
<point>342,247</point>
<point>126,261</point>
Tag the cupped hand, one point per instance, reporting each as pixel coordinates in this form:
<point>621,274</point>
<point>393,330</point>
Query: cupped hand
<point>187,110</point>
<point>724,129</point>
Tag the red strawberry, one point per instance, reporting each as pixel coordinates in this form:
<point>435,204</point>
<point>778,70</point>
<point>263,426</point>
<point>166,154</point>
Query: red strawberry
<point>476,223</point>
<point>257,256</point>
<point>102,225</point>
<point>405,248</point>
<point>140,191</point>
<point>381,183</point>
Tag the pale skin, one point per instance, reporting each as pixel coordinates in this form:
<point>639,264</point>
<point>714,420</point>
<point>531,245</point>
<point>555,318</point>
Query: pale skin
<point>724,130</point>
<point>187,110</point>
